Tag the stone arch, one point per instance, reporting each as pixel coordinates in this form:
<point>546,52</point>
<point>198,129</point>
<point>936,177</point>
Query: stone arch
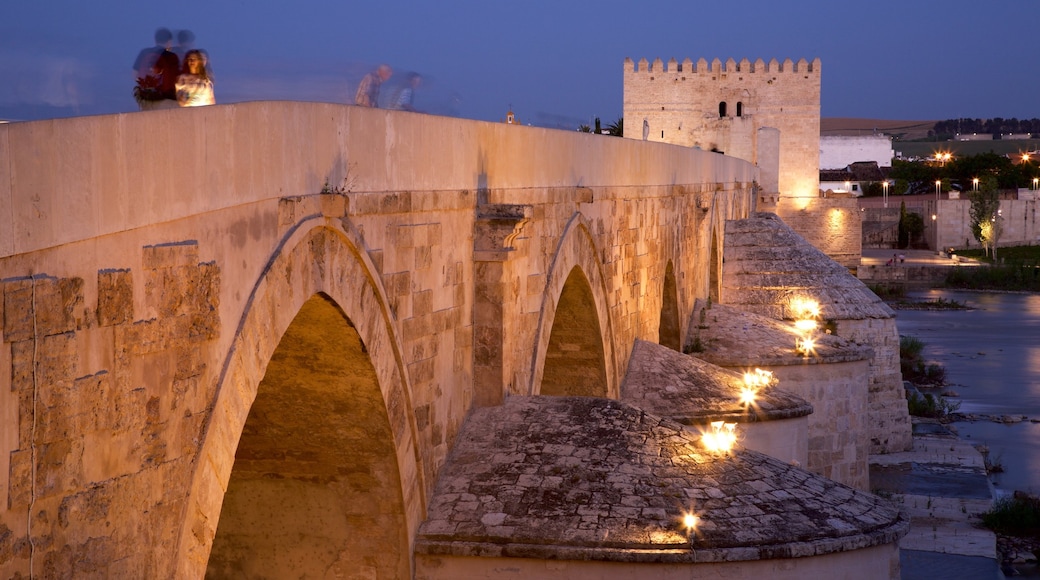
<point>668,331</point>
<point>575,266</point>
<point>574,362</point>
<point>317,278</point>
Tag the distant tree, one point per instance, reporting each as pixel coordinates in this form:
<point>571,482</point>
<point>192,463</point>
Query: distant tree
<point>985,205</point>
<point>584,129</point>
<point>913,223</point>
<point>903,239</point>
<point>617,128</point>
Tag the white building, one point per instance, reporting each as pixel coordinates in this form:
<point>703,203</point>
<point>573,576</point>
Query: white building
<point>840,151</point>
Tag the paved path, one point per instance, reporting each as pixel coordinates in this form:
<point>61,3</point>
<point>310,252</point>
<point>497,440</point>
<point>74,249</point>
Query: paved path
<point>876,257</point>
<point>942,484</point>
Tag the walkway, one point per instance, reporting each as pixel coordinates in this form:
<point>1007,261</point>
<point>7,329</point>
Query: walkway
<point>879,257</point>
<point>942,484</point>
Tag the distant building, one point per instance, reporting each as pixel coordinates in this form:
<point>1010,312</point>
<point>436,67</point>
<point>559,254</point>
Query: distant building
<point>838,152</point>
<point>851,179</point>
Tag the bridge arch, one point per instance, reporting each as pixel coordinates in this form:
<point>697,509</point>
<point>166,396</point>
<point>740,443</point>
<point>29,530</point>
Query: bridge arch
<point>669,327</point>
<point>317,333</point>
<point>575,315</point>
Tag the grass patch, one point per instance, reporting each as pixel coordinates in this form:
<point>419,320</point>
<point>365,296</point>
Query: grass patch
<point>1010,255</point>
<point>1004,277</point>
<point>1014,516</point>
<point>914,369</point>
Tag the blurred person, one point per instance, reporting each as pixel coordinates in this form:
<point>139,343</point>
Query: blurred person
<point>194,87</point>
<point>404,99</point>
<point>157,69</point>
<point>368,89</point>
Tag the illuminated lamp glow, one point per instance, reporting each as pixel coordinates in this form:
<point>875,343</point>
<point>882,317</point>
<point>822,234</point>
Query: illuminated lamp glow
<point>721,437</point>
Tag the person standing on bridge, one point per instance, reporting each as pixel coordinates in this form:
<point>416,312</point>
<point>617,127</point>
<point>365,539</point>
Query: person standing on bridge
<point>194,87</point>
<point>368,89</point>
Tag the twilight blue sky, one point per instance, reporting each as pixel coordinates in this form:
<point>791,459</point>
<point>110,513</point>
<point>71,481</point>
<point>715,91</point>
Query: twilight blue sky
<point>555,62</point>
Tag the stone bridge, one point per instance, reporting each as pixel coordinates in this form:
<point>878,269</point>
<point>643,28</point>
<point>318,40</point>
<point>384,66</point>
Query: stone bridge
<point>256,329</point>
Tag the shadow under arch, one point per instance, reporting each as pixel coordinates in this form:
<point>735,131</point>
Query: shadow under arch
<point>317,278</point>
<point>315,488</point>
<point>576,268</point>
<point>714,267</point>
<point>574,363</point>
<point>668,331</point>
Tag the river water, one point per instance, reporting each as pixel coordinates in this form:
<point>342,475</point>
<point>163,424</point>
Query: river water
<point>992,360</point>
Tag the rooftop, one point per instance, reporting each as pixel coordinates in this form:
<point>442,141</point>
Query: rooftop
<point>585,478</point>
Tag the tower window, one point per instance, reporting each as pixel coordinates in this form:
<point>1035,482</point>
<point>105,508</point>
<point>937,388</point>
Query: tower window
<point>740,109</point>
<point>722,109</point>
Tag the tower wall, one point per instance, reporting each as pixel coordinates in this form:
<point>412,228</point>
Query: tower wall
<point>721,107</point>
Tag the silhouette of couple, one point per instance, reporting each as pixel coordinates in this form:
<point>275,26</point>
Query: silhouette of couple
<point>163,82</point>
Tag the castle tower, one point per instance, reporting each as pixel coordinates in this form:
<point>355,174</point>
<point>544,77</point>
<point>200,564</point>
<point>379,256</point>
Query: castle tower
<point>723,107</point>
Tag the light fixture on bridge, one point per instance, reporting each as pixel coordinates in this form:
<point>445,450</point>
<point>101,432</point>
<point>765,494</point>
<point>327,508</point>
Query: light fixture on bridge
<point>753,383</point>
<point>806,313</point>
<point>721,437</point>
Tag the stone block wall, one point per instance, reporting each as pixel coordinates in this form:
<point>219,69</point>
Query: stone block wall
<point>839,444</point>
<point>108,407</point>
<point>831,224</point>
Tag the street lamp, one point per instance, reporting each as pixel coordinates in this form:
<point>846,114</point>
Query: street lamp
<point>1035,181</point>
<point>975,183</point>
<point>935,216</point>
<point>884,187</point>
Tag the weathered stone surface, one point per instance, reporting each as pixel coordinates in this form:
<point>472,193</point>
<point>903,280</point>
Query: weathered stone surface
<point>694,392</point>
<point>593,479</point>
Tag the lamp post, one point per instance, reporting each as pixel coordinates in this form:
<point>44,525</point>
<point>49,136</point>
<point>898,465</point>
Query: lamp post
<point>935,216</point>
<point>884,188</point>
<point>975,184</point>
<point>1035,181</point>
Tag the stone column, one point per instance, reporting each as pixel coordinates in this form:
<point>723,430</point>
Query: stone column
<point>495,229</point>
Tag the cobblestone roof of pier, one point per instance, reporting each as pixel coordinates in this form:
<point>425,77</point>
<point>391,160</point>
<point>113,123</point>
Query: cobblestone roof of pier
<point>695,392</point>
<point>732,337</point>
<point>767,263</point>
<point>594,479</point>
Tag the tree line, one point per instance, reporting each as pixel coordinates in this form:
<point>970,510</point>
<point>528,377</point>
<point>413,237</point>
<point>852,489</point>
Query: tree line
<point>994,126</point>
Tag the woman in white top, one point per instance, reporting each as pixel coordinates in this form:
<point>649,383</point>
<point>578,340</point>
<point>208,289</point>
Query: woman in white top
<point>194,87</point>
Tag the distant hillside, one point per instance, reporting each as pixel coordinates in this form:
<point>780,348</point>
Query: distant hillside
<point>904,130</point>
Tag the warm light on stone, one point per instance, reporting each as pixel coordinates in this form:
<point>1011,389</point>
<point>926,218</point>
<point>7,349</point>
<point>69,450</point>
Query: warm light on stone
<point>690,522</point>
<point>721,438</point>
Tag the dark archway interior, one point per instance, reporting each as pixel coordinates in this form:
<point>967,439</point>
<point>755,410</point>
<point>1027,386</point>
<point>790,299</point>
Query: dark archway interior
<point>574,361</point>
<point>668,331</point>
<point>315,489</point>
<point>714,271</point>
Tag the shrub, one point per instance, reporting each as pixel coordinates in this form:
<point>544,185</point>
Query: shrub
<point>1014,515</point>
<point>929,405</point>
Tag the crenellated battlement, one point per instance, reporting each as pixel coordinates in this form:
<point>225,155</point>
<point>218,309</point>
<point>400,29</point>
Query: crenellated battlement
<point>702,66</point>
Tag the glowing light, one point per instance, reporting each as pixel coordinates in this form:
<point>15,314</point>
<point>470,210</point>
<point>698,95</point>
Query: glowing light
<point>690,522</point>
<point>805,346</point>
<point>805,325</point>
<point>721,437</point>
<point>805,307</point>
<point>747,396</point>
